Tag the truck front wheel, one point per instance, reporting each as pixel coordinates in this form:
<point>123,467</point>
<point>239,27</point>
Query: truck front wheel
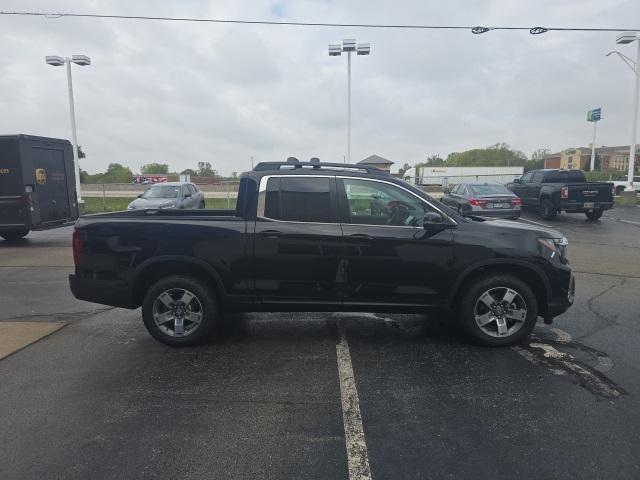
<point>498,310</point>
<point>547,209</point>
<point>12,235</point>
<point>179,311</point>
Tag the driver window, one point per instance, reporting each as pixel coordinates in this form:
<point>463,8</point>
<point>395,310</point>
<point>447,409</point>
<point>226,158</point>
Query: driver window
<point>376,203</point>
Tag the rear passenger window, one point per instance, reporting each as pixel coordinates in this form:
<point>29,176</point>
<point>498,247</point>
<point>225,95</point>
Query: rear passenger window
<point>297,199</point>
<point>537,177</point>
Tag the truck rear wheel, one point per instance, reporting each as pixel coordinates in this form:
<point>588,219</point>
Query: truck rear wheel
<point>547,209</point>
<point>594,214</point>
<point>498,310</point>
<point>12,235</point>
<point>179,311</point>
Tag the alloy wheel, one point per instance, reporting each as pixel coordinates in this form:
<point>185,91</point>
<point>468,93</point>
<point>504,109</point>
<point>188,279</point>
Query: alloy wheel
<point>177,312</point>
<point>500,312</point>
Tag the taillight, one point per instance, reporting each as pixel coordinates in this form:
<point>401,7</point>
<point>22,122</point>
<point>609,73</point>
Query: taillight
<point>477,203</point>
<point>516,201</point>
<point>79,244</point>
<point>564,192</point>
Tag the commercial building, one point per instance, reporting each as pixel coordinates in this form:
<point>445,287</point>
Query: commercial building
<point>610,158</point>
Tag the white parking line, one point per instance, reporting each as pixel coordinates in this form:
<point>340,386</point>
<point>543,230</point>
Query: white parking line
<point>535,223</point>
<point>357,456</point>
<point>628,221</point>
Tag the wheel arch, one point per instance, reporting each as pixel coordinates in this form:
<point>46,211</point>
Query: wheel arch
<point>532,275</point>
<point>150,271</point>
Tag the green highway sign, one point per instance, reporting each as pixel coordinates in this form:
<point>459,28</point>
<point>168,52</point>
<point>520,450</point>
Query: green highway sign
<point>594,115</point>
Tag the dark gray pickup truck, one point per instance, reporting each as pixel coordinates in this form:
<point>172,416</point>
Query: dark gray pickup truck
<point>555,191</point>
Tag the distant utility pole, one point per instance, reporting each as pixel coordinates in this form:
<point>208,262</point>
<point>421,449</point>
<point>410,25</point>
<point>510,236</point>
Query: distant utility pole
<point>335,50</point>
<point>594,116</point>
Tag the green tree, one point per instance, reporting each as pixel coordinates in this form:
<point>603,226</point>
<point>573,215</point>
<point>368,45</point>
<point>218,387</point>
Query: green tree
<point>498,155</point>
<point>189,171</point>
<point>154,169</point>
<point>403,169</point>
<point>206,170</point>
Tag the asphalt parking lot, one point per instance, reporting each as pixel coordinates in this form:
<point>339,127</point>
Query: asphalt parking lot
<point>272,395</point>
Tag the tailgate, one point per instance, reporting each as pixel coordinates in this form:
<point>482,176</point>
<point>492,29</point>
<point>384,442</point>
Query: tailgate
<point>599,192</point>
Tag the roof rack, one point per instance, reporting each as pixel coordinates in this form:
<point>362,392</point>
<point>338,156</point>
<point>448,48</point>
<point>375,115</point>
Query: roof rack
<point>262,166</point>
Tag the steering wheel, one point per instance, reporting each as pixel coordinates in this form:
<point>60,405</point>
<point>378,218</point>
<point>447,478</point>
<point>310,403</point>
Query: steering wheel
<point>399,211</point>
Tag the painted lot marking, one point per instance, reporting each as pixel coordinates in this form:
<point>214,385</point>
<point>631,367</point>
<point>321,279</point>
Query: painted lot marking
<point>357,456</point>
<point>628,221</point>
<point>15,336</point>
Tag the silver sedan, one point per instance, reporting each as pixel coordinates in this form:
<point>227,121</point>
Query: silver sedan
<point>483,200</point>
<point>169,195</point>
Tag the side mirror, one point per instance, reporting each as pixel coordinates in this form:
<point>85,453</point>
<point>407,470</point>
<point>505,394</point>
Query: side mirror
<point>187,195</point>
<point>446,190</point>
<point>139,196</point>
<point>517,180</point>
<point>431,220</point>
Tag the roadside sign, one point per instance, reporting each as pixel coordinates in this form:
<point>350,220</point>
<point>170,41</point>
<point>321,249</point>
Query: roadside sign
<point>594,115</point>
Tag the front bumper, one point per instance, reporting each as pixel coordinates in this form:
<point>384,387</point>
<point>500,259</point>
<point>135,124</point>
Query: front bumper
<point>558,305</point>
<point>101,292</point>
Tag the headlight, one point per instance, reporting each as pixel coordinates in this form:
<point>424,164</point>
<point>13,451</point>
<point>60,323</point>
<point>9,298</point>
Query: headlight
<point>555,245</point>
<point>168,205</point>
<point>131,207</point>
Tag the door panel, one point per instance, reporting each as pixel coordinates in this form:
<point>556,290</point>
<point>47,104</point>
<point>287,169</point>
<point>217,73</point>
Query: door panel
<point>396,264</point>
<point>299,252</point>
<point>51,184</point>
<point>394,261</point>
<point>298,261</point>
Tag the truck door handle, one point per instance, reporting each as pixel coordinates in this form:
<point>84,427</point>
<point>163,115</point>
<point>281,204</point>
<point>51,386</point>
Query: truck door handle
<point>361,236</point>
<point>270,233</point>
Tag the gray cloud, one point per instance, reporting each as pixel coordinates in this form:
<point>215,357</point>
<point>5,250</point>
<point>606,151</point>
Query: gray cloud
<point>183,93</point>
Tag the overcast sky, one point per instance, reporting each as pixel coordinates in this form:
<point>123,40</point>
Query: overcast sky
<point>179,93</point>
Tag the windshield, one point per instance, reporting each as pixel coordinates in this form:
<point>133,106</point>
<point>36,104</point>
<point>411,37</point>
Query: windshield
<point>489,190</point>
<point>164,191</point>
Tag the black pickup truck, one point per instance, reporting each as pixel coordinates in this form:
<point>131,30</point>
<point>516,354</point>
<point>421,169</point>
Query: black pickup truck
<point>308,236</point>
<point>552,191</point>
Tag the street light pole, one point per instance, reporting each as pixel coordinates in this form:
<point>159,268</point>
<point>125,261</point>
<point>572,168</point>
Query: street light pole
<point>81,60</point>
<point>74,136</point>
<point>335,50</point>
<point>349,106</point>
<point>622,39</point>
<point>634,120</point>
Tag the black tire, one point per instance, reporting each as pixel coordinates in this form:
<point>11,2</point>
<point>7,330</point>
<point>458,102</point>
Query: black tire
<point>205,303</point>
<point>619,190</point>
<point>547,209</point>
<point>594,214</point>
<point>13,235</point>
<point>201,204</point>
<point>498,283</point>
